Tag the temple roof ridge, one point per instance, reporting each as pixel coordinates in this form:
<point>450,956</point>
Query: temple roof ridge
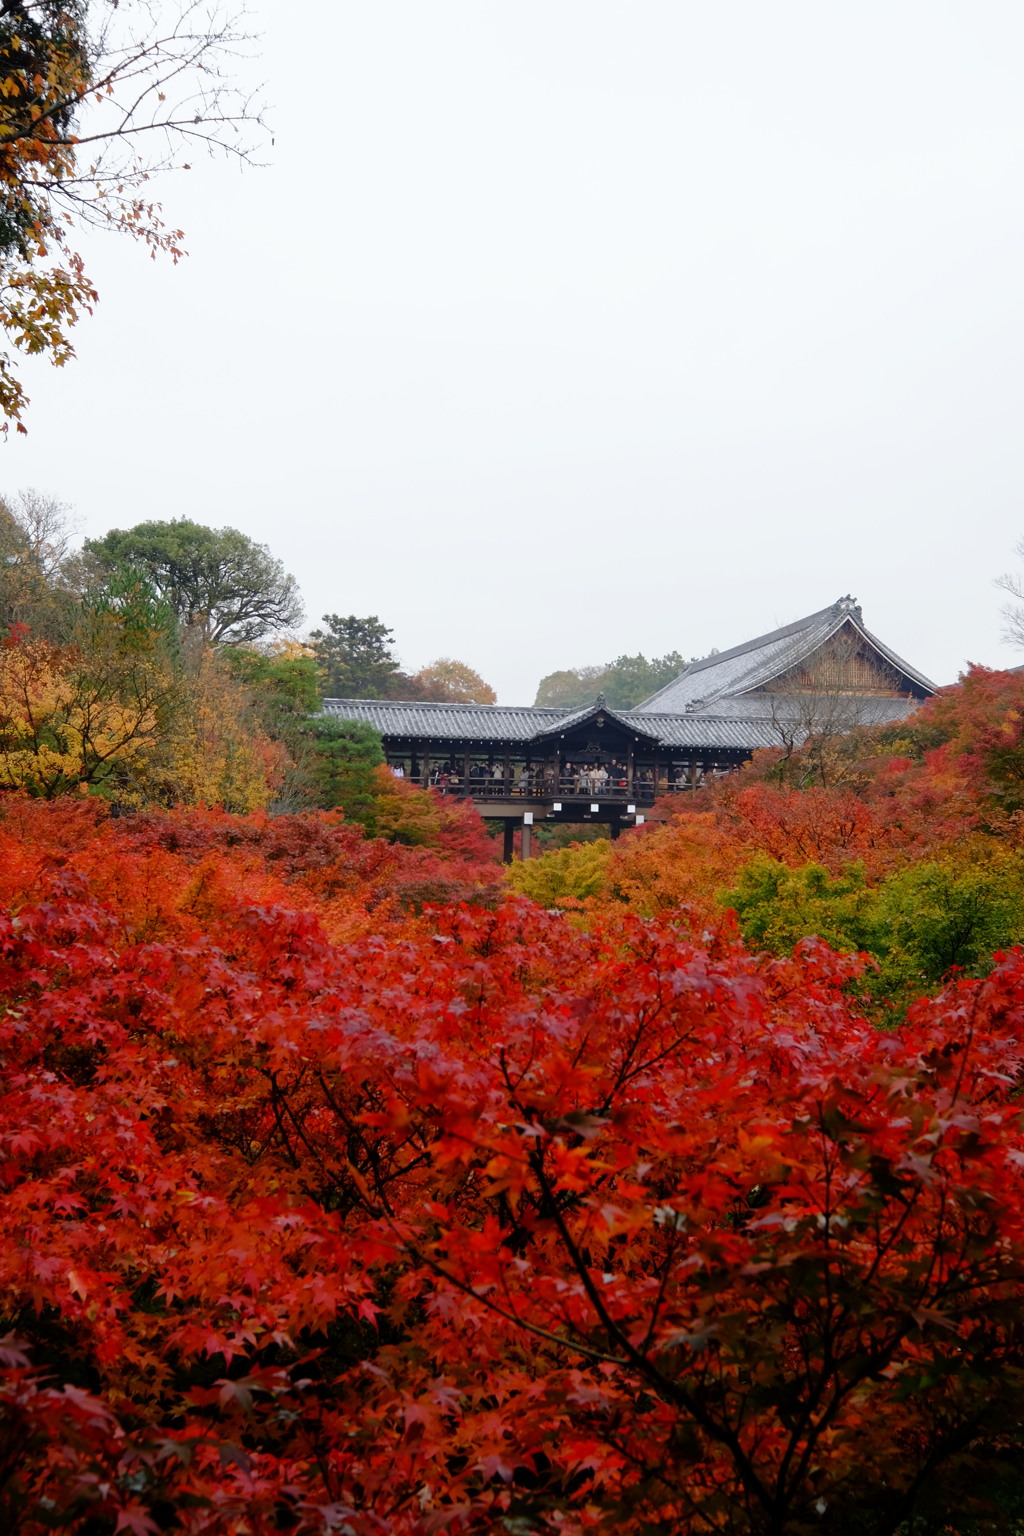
<point>757,662</point>
<point>572,718</point>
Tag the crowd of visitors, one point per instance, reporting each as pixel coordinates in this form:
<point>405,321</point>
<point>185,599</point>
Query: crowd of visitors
<point>575,779</point>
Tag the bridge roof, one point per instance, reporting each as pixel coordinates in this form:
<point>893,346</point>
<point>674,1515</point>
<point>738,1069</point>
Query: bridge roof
<point>571,720</point>
<point>498,725</point>
<point>458,722</point>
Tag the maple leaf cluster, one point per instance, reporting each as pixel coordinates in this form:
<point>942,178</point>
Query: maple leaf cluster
<point>323,1214</point>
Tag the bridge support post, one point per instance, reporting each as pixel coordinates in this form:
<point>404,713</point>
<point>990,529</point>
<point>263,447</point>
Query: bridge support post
<point>527,837</point>
<point>508,847</point>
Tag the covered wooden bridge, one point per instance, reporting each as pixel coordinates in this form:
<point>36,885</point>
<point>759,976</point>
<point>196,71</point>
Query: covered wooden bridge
<point>598,764</point>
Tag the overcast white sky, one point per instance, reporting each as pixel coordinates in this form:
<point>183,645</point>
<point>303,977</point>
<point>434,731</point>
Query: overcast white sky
<point>564,328</point>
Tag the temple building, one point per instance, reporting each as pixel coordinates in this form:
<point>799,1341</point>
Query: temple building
<point>824,674</point>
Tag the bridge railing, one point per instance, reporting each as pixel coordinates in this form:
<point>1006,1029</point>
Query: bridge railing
<point>538,786</point>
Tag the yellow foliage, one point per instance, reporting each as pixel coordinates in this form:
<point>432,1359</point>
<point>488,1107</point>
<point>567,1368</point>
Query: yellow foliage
<point>564,876</point>
<point>60,726</point>
<point>289,650</point>
<point>120,716</point>
<point>213,753</point>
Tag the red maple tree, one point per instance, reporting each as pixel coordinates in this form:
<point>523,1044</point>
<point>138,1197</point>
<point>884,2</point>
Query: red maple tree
<point>472,1220</point>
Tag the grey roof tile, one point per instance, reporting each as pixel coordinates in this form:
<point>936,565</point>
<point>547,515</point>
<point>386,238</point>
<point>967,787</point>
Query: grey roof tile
<point>469,722</point>
<point>626,718</point>
<point>496,725</point>
<point>852,709</point>
<point>708,682</point>
<point>707,733</point>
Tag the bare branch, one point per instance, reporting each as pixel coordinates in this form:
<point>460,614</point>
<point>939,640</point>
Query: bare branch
<point>95,101</point>
<point>812,707</point>
<point>1013,613</point>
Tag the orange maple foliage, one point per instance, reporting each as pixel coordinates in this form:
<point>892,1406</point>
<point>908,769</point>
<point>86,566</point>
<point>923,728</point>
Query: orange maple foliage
<point>953,771</point>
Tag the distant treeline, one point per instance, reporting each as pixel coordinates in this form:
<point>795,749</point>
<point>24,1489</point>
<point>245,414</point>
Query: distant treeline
<point>625,682</point>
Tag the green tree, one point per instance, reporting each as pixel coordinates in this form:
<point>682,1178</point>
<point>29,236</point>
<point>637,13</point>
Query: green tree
<point>330,761</point>
<point>569,689</point>
<point>777,906</point>
<point>355,657</point>
<point>630,679</point>
<point>217,580</point>
<point>952,912</point>
<point>285,685</point>
<point>625,682</point>
<point>336,760</point>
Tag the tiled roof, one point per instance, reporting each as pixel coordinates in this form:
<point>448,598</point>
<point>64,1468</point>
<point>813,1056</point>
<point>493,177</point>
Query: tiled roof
<point>716,681</point>
<point>463,722</point>
<point>499,726</point>
<point>870,709</point>
<point>708,732</point>
<point>626,718</point>
<point>709,706</point>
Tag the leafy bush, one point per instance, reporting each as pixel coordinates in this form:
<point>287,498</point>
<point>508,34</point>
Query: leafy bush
<point>920,924</point>
<point>564,876</point>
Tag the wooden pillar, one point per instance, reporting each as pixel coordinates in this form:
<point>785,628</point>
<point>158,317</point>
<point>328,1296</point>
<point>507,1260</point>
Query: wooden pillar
<point>527,834</point>
<point>629,769</point>
<point>508,847</point>
<point>426,766</point>
<point>466,787</point>
<point>508,771</point>
<point>615,828</point>
<point>694,774</point>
